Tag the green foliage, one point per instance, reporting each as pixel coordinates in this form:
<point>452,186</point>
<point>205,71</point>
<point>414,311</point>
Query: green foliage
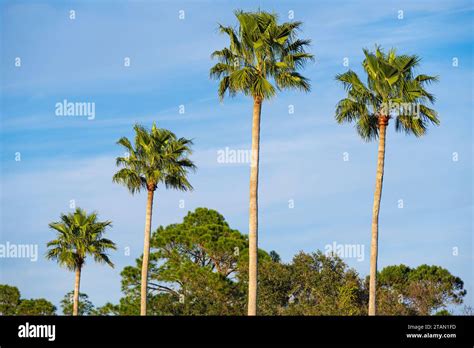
<point>36,307</point>
<point>12,304</point>
<point>390,82</point>
<point>323,285</point>
<point>200,267</point>
<point>312,284</point>
<point>421,290</point>
<point>9,299</point>
<point>392,302</point>
<point>274,287</point>
<point>107,309</point>
<point>157,157</point>
<point>395,277</point>
<point>79,235</point>
<point>262,56</point>
<point>128,305</point>
<point>274,256</point>
<point>85,307</point>
<point>192,267</point>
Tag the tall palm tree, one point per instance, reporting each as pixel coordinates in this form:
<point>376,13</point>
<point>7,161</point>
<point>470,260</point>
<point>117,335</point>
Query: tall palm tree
<point>263,57</point>
<point>158,157</point>
<point>392,91</point>
<point>79,235</point>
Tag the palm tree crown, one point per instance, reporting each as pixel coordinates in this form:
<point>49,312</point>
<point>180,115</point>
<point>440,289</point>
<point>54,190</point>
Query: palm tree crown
<point>79,235</point>
<point>260,52</point>
<point>158,157</point>
<point>390,82</point>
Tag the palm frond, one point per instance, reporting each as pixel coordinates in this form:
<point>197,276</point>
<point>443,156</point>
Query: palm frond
<point>261,54</point>
<point>78,235</point>
<point>390,82</point>
<point>158,157</point>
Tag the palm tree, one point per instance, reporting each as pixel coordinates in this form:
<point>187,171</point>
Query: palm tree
<point>263,57</point>
<point>79,235</point>
<point>158,157</point>
<point>392,92</point>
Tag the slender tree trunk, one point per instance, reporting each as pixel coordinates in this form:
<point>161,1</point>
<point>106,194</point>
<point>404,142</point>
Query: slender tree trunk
<point>77,283</point>
<point>383,122</point>
<point>146,253</point>
<point>253,208</point>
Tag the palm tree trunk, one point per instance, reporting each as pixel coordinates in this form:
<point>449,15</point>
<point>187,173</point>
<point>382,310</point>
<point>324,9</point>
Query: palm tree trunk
<point>75,306</point>
<point>146,253</point>
<point>383,122</point>
<point>253,208</point>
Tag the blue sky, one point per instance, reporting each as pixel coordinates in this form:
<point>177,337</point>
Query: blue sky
<point>72,158</point>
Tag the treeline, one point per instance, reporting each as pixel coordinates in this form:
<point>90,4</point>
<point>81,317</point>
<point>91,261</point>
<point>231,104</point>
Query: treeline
<point>11,303</point>
<point>200,267</point>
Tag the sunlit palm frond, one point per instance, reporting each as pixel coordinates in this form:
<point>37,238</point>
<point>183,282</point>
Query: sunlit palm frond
<point>158,156</point>
<point>78,235</point>
<point>392,91</point>
<point>262,56</point>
